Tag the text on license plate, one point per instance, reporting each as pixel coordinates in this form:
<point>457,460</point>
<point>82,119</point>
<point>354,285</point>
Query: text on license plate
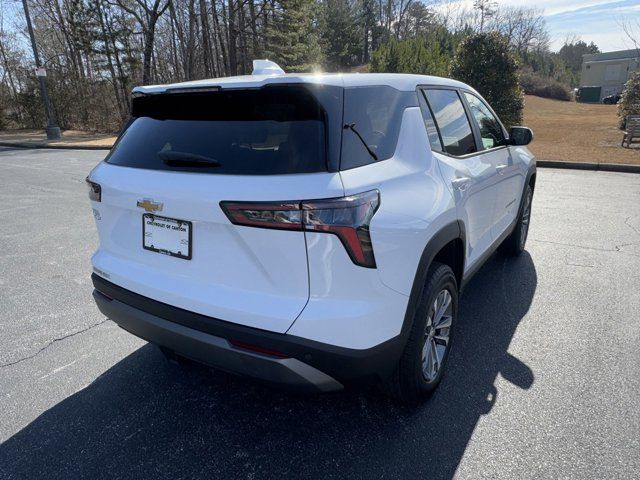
<point>168,236</point>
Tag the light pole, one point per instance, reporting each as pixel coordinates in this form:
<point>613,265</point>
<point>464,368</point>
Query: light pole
<point>53,131</point>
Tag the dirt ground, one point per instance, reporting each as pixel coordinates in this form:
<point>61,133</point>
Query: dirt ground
<point>70,138</point>
<point>576,132</point>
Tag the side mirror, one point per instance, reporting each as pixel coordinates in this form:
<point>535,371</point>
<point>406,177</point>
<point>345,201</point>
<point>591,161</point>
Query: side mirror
<point>520,136</point>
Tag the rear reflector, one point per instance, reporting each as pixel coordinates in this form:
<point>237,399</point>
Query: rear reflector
<point>256,349</point>
<point>347,217</point>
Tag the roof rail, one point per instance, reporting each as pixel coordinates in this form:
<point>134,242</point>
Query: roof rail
<point>266,67</point>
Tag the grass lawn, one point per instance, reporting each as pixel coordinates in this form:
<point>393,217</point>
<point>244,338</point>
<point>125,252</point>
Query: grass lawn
<point>576,132</point>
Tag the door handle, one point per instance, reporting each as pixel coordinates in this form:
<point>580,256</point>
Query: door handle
<point>500,169</point>
<point>460,183</point>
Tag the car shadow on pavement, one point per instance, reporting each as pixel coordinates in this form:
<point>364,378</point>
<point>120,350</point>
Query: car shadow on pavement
<point>147,418</point>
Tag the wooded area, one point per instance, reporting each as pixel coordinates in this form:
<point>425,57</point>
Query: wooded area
<point>95,51</point>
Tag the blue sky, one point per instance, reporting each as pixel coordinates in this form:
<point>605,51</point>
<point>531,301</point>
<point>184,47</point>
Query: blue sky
<point>591,20</point>
<point>597,21</point>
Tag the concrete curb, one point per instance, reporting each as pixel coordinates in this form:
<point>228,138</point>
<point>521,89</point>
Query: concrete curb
<point>603,167</point>
<point>54,147</point>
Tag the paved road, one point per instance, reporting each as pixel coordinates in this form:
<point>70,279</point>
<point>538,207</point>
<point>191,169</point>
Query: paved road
<point>544,380</point>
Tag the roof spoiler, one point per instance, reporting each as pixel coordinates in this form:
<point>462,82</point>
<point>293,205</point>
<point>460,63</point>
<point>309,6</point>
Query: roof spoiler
<point>266,67</point>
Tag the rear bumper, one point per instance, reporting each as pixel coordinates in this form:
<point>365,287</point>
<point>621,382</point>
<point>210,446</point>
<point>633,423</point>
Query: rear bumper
<point>309,365</point>
<point>212,350</point>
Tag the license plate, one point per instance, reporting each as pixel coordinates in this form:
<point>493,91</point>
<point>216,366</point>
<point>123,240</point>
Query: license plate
<point>166,235</point>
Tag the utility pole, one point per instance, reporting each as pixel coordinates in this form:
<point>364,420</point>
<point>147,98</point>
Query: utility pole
<point>53,131</point>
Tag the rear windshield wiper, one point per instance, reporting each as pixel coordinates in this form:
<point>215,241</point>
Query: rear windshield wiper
<point>352,127</point>
<point>186,159</point>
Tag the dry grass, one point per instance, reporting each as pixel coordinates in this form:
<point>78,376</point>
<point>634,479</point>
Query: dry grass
<point>576,132</point>
<point>73,138</point>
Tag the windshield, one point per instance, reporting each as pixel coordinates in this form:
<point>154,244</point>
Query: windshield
<point>272,130</point>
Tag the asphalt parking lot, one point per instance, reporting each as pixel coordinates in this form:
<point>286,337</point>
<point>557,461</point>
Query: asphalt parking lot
<point>543,382</point>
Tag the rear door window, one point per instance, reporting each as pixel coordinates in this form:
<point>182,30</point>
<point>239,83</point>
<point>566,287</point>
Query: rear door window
<point>430,125</point>
<point>491,132</point>
<point>451,119</point>
<point>275,130</point>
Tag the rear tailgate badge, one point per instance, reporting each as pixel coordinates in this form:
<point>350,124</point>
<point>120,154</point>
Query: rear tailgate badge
<point>149,205</point>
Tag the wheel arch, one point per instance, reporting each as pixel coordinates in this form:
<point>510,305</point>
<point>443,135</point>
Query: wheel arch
<point>531,179</point>
<point>446,246</point>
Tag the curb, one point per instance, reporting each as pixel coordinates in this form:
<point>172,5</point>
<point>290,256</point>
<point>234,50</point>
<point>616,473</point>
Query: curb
<point>603,167</point>
<point>53,147</point>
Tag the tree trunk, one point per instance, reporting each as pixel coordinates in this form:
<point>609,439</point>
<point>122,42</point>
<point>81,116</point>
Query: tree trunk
<point>233,53</point>
<point>254,30</point>
<point>107,52</point>
<point>206,39</point>
<point>221,37</point>
<point>148,49</point>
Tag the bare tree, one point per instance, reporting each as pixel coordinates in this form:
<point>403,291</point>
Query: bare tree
<point>631,30</point>
<point>525,28</point>
<point>486,8</point>
<point>147,13</point>
<point>98,50</point>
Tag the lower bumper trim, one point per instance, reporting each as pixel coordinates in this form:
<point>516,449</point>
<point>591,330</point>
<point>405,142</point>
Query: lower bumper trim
<point>215,351</point>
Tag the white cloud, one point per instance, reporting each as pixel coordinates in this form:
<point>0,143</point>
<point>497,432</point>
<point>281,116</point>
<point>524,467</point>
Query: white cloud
<point>591,20</point>
<point>550,7</point>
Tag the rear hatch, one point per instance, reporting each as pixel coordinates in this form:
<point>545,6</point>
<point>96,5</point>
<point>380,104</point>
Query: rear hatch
<point>162,231</point>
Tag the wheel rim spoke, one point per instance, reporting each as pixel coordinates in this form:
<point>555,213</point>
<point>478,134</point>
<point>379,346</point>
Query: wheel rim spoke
<point>435,364</point>
<point>444,322</point>
<point>442,339</point>
<point>443,301</point>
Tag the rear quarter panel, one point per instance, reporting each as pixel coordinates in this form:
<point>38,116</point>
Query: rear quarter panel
<point>415,203</point>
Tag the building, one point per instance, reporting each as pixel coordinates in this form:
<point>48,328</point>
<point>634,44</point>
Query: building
<point>609,71</point>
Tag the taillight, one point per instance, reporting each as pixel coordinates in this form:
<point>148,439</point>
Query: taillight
<point>95,191</point>
<point>347,217</point>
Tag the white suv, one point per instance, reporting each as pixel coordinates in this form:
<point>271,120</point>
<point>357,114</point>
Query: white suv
<point>308,230</point>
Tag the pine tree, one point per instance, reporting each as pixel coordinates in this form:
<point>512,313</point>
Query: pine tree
<point>341,35</point>
<point>292,37</point>
<point>428,54</point>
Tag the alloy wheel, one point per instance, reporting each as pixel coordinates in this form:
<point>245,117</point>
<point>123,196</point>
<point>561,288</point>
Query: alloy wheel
<point>437,335</point>
<point>524,224</point>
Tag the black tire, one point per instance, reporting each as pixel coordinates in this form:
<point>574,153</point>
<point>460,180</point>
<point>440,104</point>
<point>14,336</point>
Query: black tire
<point>409,384</point>
<point>514,244</point>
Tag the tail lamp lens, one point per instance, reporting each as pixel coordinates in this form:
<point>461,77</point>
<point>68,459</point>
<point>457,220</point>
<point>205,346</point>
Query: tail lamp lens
<point>347,217</point>
<point>95,191</point>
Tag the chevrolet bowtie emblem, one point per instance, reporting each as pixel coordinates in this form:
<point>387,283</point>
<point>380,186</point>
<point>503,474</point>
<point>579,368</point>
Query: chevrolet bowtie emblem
<point>149,205</point>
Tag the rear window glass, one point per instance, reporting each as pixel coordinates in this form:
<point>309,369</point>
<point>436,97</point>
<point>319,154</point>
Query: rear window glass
<point>376,115</point>
<point>273,130</point>
<point>455,130</point>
